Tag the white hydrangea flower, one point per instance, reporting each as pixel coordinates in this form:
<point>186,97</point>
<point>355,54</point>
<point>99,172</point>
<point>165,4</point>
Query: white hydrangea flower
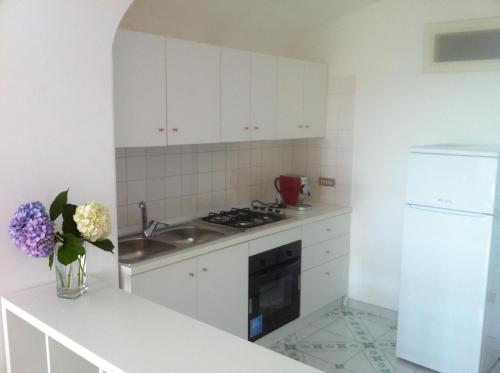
<point>93,221</point>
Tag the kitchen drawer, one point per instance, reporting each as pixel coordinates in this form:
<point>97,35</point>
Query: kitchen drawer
<point>325,229</point>
<point>273,241</point>
<point>323,252</point>
<point>323,284</point>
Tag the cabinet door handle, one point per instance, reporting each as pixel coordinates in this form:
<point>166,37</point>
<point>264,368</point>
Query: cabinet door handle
<point>191,274</point>
<point>328,229</point>
<point>327,273</point>
<point>246,128</point>
<point>328,251</point>
<point>175,129</point>
<point>300,126</point>
<point>256,128</point>
<point>161,129</point>
<point>204,269</point>
<point>308,126</point>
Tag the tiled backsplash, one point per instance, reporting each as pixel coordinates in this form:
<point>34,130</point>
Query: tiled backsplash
<point>178,181</point>
<point>331,156</point>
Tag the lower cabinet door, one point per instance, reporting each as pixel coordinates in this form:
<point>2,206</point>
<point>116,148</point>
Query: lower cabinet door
<point>173,286</point>
<point>323,284</point>
<point>223,289</point>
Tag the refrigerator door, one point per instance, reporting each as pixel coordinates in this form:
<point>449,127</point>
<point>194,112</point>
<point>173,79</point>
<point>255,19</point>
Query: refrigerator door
<point>443,288</point>
<point>452,182</point>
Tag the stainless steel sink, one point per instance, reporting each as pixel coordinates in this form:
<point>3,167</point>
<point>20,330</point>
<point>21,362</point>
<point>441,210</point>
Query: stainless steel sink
<point>135,248</point>
<point>188,235</point>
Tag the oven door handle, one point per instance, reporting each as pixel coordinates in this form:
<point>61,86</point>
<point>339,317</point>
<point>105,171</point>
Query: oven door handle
<point>283,267</point>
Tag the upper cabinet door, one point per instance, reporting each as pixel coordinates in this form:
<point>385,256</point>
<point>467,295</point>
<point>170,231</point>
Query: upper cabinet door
<point>315,96</point>
<point>193,92</point>
<point>235,95</point>
<point>290,117</point>
<point>263,96</point>
<point>139,89</point>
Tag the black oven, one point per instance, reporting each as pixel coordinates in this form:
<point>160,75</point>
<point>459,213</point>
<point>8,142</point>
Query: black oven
<point>274,289</point>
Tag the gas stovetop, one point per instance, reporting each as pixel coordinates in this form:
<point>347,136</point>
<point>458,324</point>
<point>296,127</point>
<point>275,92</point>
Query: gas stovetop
<point>245,218</point>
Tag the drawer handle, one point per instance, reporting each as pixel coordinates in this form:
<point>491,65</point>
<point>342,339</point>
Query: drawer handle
<point>308,126</point>
<point>246,128</point>
<point>204,270</point>
<point>175,129</point>
<point>327,273</point>
<point>191,274</point>
<point>328,229</point>
<point>256,128</point>
<point>161,129</point>
<point>328,251</point>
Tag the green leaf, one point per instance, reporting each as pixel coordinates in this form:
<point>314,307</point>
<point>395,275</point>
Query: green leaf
<point>57,206</point>
<point>65,255</point>
<point>105,245</point>
<point>74,244</point>
<point>69,225</point>
<point>51,260</point>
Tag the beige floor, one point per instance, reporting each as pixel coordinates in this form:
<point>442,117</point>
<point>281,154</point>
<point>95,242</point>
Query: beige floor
<point>347,340</point>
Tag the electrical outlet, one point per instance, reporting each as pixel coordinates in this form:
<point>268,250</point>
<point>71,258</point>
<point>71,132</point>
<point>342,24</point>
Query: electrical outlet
<point>326,181</point>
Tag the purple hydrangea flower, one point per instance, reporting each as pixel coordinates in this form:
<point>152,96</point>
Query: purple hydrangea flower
<point>32,231</point>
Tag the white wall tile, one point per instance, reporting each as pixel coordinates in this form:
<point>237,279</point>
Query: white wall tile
<point>244,177</point>
<point>204,202</point>
<point>133,215</point>
<point>219,180</point>
<point>155,189</point>
<point>172,207</point>
<point>244,158</point>
<point>219,161</point>
<point>231,159</point>
<point>189,162</point>
<point>189,184</point>
<point>136,168</point>
<point>205,162</point>
<point>341,84</point>
<point>344,157</point>
<point>173,166</point>
<point>173,186</point>
<point>120,152</point>
<point>136,191</point>
<point>173,149</point>
<point>156,210</point>
<point>345,139</point>
<point>121,169</point>
<point>218,199</point>
<point>189,205</point>
<point>341,103</point>
<point>231,179</point>
<point>121,193</point>
<point>155,166</point>
<point>205,182</point>
<point>155,150</point>
<point>136,152</point>
<point>256,157</point>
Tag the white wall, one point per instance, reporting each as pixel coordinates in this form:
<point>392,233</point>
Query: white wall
<point>56,118</point>
<point>396,105</point>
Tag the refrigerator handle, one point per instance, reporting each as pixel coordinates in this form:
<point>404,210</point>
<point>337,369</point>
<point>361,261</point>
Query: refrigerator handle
<point>438,210</point>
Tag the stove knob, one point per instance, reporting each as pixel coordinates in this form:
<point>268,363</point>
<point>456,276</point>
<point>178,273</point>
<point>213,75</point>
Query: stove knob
<point>269,209</point>
<point>262,209</point>
<point>277,211</point>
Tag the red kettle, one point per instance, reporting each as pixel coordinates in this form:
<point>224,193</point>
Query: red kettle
<point>288,186</point>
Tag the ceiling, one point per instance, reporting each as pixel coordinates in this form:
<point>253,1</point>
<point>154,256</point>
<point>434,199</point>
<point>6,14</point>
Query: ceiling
<point>268,26</point>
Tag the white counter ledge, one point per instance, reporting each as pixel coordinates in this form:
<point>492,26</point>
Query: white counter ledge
<point>119,332</point>
<point>320,211</point>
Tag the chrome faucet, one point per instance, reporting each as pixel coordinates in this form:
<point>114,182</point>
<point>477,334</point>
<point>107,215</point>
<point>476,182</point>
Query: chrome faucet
<point>148,228</point>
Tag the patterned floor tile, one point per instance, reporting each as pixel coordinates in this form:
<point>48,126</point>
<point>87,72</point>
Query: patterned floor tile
<point>347,340</point>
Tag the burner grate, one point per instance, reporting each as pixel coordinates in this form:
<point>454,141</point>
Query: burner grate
<point>243,218</point>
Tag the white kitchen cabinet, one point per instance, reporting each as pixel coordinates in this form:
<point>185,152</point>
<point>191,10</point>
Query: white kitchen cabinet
<point>302,95</point>
<point>223,289</point>
<point>325,229</point>
<point>315,96</point>
<point>193,92</point>
<point>139,89</point>
<point>248,96</point>
<point>263,92</point>
<point>235,95</point>
<point>323,284</point>
<point>173,286</point>
<point>325,251</point>
<point>290,114</point>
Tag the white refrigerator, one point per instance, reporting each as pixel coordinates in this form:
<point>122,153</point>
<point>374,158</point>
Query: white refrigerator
<point>449,303</point>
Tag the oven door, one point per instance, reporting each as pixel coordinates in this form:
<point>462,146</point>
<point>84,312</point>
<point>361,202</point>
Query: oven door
<point>274,298</point>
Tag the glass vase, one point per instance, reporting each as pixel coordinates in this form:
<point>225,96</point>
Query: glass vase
<point>72,278</point>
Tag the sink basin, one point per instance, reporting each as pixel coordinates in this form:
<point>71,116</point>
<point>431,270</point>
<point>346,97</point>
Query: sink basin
<point>137,248</point>
<point>187,235</point>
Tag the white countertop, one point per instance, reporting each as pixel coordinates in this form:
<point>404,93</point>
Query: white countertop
<point>130,334</point>
<point>320,210</point>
